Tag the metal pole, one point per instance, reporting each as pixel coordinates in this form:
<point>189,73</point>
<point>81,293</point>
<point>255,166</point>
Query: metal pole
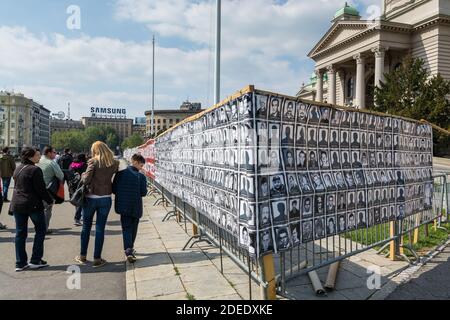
<point>153,91</point>
<point>217,61</point>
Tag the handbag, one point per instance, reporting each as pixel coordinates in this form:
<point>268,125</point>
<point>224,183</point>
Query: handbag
<point>54,188</point>
<point>78,196</point>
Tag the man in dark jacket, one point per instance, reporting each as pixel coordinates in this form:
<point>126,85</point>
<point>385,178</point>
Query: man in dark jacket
<point>7,167</point>
<point>27,203</point>
<point>130,186</point>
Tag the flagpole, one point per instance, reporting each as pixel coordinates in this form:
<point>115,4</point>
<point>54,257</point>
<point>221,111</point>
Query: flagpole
<point>218,44</point>
<point>153,91</point>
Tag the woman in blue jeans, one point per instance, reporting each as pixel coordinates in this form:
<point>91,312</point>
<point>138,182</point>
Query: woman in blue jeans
<point>98,179</point>
<point>27,204</point>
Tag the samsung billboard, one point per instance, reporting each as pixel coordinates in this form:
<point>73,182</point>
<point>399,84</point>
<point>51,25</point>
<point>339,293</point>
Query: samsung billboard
<point>99,112</point>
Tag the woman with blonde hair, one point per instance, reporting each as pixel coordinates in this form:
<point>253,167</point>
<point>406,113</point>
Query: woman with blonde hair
<point>98,180</point>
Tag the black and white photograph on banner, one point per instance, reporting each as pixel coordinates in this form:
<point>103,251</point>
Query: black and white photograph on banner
<point>289,111</point>
<point>279,210</point>
<point>283,238</point>
<point>264,215</point>
<point>307,231</point>
<point>264,161</point>
<point>295,233</point>
<point>265,241</point>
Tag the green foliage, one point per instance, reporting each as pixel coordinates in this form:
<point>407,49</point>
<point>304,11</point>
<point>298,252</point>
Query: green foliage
<point>411,91</point>
<point>82,140</point>
<point>133,141</point>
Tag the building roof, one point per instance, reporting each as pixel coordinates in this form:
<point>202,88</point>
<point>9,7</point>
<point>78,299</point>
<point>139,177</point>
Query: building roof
<point>174,111</point>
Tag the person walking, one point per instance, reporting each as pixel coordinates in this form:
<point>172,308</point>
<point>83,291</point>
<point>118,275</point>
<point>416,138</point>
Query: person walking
<point>130,186</point>
<point>29,196</point>
<point>2,226</point>
<point>98,180</point>
<point>50,170</point>
<point>64,163</point>
<point>7,167</point>
<point>77,168</point>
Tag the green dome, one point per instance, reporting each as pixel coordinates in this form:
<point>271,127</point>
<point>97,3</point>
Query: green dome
<point>313,78</point>
<point>347,10</point>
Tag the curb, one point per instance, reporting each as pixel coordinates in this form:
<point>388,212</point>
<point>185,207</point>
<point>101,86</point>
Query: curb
<point>406,275</point>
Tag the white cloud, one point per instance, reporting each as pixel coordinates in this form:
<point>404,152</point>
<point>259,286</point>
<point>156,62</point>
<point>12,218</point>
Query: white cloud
<point>265,43</point>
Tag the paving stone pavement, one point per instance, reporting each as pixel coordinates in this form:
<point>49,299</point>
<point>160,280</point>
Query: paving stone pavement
<point>430,282</point>
<point>164,271</point>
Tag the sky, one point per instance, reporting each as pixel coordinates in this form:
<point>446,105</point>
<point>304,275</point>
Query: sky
<point>102,57</point>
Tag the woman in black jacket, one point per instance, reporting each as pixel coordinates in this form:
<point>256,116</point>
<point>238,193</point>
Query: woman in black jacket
<point>27,202</point>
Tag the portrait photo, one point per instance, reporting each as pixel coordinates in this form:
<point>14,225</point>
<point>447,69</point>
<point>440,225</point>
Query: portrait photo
<point>275,108</point>
<point>334,143</point>
<point>313,163</point>
<point>264,188</point>
<point>314,115</point>
<point>307,207</point>
<point>312,137</point>
<point>344,144</point>
<point>317,182</point>
<point>279,211</point>
<point>289,111</point>
<point>294,209</point>
<point>323,138</point>
<point>331,226</point>
<point>335,118</point>
<point>274,134</point>
<point>341,223</point>
<point>277,185</point>
<point>301,160</point>
<point>300,136</point>
<point>289,159</point>
<point>305,183</point>
<point>295,234</point>
<point>307,231</point>
<point>288,135</point>
<point>264,215</point>
<point>331,203</point>
<point>302,115</point>
<point>265,241</point>
<point>325,114</point>
<point>283,238</point>
<point>319,228</point>
<point>324,160</point>
<point>335,161</point>
<point>261,106</point>
<point>293,187</point>
<point>319,205</point>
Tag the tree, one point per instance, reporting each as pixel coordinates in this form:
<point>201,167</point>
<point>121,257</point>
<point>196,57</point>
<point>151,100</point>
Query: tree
<point>82,140</point>
<point>411,91</point>
<point>133,141</point>
<point>73,139</point>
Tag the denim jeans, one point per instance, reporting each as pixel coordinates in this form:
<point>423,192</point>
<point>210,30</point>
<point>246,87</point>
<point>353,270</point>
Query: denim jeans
<point>6,182</point>
<point>38,220</point>
<point>129,231</point>
<point>78,213</point>
<point>91,206</point>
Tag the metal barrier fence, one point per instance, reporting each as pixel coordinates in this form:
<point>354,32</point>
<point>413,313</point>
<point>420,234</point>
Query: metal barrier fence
<point>206,230</point>
<point>311,256</point>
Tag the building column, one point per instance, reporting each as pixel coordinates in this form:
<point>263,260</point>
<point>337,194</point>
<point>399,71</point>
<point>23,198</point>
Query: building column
<point>331,84</point>
<point>319,86</point>
<point>379,65</point>
<point>360,99</point>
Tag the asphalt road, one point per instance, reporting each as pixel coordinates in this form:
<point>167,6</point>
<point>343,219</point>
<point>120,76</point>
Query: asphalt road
<point>107,283</point>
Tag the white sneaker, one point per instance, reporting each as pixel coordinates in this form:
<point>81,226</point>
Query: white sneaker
<point>23,268</point>
<point>40,265</point>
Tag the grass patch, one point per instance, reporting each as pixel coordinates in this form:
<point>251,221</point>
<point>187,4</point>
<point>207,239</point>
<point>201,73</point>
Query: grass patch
<point>380,232</point>
<point>190,297</point>
<point>177,272</point>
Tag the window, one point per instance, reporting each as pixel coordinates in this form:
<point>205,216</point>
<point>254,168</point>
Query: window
<point>165,121</point>
<point>12,141</point>
<point>350,86</point>
<point>159,121</point>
